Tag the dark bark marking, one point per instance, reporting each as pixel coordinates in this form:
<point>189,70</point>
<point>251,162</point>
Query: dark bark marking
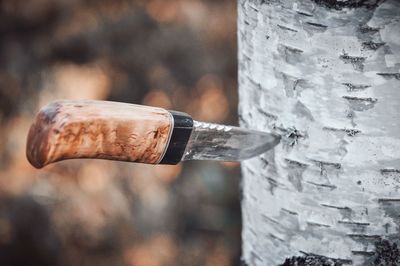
<point>296,163</point>
<point>356,87</point>
<point>264,161</point>
<point>356,227</point>
<point>372,45</point>
<point>325,163</point>
<point>255,84</point>
<point>310,259</point>
<point>268,219</point>
<point>246,57</point>
<point>292,55</point>
<point>318,224</point>
<point>390,75</point>
<point>254,198</point>
<point>388,200</point>
<point>291,49</point>
<point>275,237</point>
<point>265,2</point>
<point>337,261</point>
<point>351,132</point>
<point>241,118</point>
<point>331,187</point>
<point>390,171</point>
<point>386,253</point>
<point>242,121</point>
<point>354,223</point>
<point>267,115</point>
<point>317,25</point>
<point>335,207</point>
<point>286,28</point>
<point>356,61</point>
<point>304,13</point>
<point>296,83</point>
<point>313,27</point>
<point>273,184</point>
<point>360,104</point>
<point>250,170</point>
<point>387,226</point>
<point>363,253</point>
<point>340,4</point>
<point>346,212</point>
<point>254,257</point>
<point>289,211</point>
<point>365,237</point>
<point>368,29</point>
<point>252,231</point>
<point>254,8</point>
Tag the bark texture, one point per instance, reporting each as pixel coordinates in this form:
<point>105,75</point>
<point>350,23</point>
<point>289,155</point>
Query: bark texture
<point>325,75</point>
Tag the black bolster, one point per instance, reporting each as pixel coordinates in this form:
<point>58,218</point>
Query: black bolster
<point>183,126</point>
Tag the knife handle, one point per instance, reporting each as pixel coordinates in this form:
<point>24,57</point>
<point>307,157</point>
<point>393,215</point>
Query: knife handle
<point>71,129</point>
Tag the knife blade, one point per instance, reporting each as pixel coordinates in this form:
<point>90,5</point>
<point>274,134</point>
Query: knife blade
<point>71,129</point>
<point>210,141</point>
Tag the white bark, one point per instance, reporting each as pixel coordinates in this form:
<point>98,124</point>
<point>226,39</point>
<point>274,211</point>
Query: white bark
<point>324,74</point>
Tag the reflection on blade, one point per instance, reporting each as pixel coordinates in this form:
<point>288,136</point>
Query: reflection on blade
<point>227,143</point>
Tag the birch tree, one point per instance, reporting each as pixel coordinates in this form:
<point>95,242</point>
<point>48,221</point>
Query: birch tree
<point>325,75</point>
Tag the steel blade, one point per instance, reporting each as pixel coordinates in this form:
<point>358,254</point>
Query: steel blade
<point>227,143</point>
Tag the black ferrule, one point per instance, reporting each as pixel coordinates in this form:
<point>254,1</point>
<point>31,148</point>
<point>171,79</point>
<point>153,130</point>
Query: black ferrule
<point>183,126</point>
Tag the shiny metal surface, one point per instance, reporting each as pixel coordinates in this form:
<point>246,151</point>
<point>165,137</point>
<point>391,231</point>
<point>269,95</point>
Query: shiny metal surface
<point>227,143</point>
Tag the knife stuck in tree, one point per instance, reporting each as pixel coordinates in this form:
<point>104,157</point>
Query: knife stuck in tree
<point>71,129</point>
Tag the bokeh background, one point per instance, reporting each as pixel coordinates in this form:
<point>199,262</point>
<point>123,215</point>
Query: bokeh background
<point>175,54</point>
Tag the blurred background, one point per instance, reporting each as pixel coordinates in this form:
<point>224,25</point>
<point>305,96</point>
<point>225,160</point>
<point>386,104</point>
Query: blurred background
<point>175,54</point>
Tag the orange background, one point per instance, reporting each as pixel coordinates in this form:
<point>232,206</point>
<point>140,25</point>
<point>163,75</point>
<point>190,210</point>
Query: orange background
<point>175,54</point>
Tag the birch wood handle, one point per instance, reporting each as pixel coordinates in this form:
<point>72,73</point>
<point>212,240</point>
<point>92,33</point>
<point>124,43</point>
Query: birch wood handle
<point>98,129</point>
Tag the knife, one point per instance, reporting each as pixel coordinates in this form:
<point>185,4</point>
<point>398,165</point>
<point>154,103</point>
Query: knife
<point>70,129</point>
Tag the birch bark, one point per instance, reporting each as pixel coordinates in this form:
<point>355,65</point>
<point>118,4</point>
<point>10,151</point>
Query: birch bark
<point>325,74</point>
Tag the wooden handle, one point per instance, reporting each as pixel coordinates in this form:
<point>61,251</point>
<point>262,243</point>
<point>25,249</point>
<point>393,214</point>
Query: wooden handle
<point>98,129</point>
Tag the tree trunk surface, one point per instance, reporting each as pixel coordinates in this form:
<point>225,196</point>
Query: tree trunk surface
<point>325,75</point>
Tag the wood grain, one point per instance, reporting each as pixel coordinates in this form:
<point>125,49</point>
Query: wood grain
<point>98,129</point>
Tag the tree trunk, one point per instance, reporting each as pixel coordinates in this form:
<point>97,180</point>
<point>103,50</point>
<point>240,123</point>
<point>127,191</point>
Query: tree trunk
<point>325,75</point>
